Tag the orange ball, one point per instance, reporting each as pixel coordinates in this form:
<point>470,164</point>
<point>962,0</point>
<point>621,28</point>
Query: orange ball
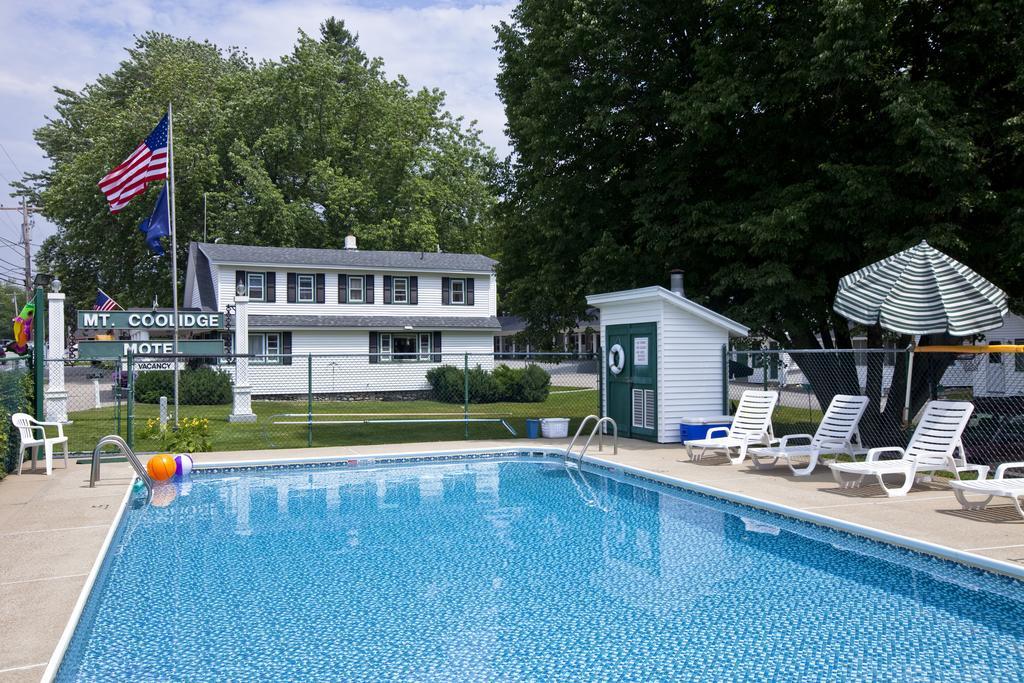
<point>161,466</point>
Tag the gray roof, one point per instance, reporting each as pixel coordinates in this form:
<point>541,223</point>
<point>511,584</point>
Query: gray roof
<point>207,293</point>
<point>241,254</point>
<point>379,322</point>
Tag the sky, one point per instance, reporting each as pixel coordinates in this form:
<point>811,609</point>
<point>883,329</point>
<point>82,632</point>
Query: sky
<point>68,43</point>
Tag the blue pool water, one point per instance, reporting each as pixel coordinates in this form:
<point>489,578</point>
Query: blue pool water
<point>509,570</point>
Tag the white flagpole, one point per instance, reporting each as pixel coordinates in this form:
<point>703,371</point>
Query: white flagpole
<point>174,248</point>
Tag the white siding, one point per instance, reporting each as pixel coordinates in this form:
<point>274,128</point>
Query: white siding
<point>349,369</point>
<point>428,289</point>
<point>689,360</point>
<point>689,370</point>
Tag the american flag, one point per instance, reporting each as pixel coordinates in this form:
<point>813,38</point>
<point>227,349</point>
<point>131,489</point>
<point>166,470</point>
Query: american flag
<point>104,302</point>
<point>147,163</point>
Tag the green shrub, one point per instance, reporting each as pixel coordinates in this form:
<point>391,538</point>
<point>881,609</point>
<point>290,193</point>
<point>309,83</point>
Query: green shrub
<point>517,385</point>
<point>535,386</point>
<point>483,388</point>
<point>192,435</point>
<point>446,382</point>
<point>199,387</point>
<point>150,386</point>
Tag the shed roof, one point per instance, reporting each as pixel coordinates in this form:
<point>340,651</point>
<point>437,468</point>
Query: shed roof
<point>241,254</point>
<point>656,292</point>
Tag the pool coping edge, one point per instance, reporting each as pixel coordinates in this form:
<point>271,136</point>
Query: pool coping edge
<point>57,658</point>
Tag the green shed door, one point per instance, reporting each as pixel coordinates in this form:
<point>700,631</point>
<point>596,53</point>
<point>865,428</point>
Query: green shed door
<point>632,392</point>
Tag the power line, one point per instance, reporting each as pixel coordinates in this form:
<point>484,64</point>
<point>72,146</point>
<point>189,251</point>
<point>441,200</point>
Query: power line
<point>12,265</point>
<point>6,154</point>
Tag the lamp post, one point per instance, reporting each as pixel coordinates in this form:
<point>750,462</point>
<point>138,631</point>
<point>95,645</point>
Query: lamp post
<point>40,282</point>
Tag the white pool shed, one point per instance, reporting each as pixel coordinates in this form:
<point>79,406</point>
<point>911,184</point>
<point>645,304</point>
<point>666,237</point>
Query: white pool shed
<point>663,359</point>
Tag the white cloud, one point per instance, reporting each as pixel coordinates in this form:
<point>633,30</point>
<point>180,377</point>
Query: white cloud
<point>70,42</point>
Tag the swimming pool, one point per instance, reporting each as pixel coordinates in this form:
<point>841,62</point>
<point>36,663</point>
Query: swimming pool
<point>508,568</point>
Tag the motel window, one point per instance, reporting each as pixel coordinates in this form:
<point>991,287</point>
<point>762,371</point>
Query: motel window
<point>399,347</point>
<point>400,289</point>
<point>355,289</point>
<point>255,285</point>
<point>306,288</point>
<point>265,348</point>
<point>458,291</point>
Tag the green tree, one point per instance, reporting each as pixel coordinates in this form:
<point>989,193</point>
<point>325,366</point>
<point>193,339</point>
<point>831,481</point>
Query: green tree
<point>766,148</point>
<point>298,151</point>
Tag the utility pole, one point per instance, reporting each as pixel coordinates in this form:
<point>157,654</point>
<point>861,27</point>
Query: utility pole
<point>26,235</point>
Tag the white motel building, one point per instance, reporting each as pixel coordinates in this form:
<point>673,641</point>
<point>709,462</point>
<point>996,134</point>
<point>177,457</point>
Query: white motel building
<point>389,316</point>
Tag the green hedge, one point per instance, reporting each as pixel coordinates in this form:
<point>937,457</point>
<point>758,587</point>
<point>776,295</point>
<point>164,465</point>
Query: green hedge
<point>196,387</point>
<point>514,385</point>
<point>15,397</point>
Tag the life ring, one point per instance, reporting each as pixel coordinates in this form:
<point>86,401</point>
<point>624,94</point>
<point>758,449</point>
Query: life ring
<point>616,359</point>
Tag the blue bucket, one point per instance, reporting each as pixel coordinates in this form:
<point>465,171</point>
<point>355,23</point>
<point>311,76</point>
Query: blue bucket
<point>533,429</point>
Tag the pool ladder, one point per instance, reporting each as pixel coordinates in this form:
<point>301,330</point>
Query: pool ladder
<point>127,452</point>
<point>599,421</point>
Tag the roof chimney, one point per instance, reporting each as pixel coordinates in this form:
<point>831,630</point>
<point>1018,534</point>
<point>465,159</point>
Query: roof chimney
<point>350,243</point>
<point>675,279</point>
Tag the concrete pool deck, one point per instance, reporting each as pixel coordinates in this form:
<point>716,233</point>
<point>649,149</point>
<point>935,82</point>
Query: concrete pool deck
<point>53,527</point>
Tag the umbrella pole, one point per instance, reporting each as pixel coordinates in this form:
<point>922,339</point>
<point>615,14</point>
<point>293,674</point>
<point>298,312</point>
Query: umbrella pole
<point>910,376</point>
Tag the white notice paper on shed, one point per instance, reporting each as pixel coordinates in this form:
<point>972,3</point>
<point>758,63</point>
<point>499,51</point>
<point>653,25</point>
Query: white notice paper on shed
<point>640,351</point>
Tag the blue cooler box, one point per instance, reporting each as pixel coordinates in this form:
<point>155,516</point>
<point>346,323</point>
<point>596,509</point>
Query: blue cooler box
<point>698,427</point>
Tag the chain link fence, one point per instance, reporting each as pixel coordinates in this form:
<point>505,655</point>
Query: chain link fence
<point>808,379</point>
<point>15,397</point>
<point>293,401</point>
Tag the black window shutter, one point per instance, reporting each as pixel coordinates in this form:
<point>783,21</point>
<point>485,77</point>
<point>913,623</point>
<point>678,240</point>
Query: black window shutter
<point>414,297</point>
<point>368,289</point>
<point>446,291</point>
<point>375,347</point>
<point>321,286</point>
<point>270,291</point>
<point>387,289</point>
<point>240,280</point>
<point>291,288</point>
<point>286,348</point>
<point>436,357</point>
<point>469,290</point>
<point>342,288</point>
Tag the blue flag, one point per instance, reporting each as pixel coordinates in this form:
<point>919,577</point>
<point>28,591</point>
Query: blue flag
<point>157,225</point>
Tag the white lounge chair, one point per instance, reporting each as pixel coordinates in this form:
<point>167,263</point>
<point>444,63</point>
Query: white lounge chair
<point>33,435</point>
<point>838,433</point>
<point>751,426</point>
<point>992,488</point>
<point>933,447</point>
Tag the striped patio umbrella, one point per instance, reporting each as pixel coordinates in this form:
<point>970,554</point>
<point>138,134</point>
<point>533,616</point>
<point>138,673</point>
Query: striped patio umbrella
<point>921,291</point>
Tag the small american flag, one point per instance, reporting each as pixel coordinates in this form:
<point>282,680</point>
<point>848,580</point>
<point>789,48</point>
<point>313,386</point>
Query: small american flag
<point>147,163</point>
<point>104,302</point>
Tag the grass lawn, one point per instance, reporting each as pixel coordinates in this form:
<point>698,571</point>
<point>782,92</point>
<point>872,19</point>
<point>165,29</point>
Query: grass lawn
<point>91,425</point>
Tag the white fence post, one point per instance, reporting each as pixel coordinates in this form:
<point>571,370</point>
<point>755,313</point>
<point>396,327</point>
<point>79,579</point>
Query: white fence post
<point>241,410</point>
<point>56,395</point>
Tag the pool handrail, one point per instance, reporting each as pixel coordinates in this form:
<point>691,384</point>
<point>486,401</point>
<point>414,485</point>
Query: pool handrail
<point>600,436</point>
<point>127,452</point>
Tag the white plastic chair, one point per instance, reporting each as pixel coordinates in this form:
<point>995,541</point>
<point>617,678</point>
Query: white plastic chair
<point>933,447</point>
<point>998,487</point>
<point>751,426</point>
<point>838,433</point>
<point>33,435</point>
